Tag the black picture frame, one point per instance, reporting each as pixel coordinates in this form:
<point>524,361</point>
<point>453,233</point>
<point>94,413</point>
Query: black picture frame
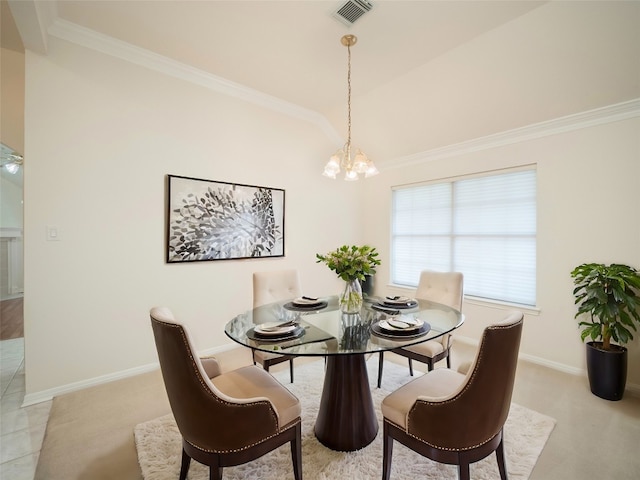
<point>211,220</point>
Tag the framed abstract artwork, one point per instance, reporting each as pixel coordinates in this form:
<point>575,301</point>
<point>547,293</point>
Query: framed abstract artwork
<point>211,220</point>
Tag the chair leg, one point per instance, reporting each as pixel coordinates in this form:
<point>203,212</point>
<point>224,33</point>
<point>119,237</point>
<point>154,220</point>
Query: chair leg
<point>296,453</point>
<point>215,472</point>
<point>380,362</point>
<point>449,359</point>
<point>387,453</point>
<point>430,365</point>
<point>291,369</point>
<point>502,468</point>
<point>411,367</point>
<point>463,471</point>
<point>184,467</point>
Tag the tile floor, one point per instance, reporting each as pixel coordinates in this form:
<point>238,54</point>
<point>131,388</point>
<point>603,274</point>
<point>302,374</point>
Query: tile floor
<point>21,428</point>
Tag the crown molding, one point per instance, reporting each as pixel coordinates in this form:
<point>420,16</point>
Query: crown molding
<point>32,18</point>
<point>590,118</point>
<point>105,44</point>
<point>93,40</point>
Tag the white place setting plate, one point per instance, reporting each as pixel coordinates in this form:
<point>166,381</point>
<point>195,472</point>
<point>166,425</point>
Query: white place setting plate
<point>275,329</point>
<point>394,325</point>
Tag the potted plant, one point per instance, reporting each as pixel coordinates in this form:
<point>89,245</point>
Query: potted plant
<point>609,295</point>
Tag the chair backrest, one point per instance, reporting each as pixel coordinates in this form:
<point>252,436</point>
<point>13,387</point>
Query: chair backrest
<point>274,286</point>
<point>441,287</point>
<point>206,417</point>
<point>477,410</point>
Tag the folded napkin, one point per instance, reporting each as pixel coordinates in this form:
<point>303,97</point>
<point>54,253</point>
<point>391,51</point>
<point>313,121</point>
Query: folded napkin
<point>306,301</point>
<point>271,326</point>
<point>392,328</point>
<point>277,330</point>
<point>405,323</point>
<point>399,301</point>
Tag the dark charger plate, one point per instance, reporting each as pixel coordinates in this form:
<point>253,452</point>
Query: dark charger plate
<point>400,334</point>
<point>305,308</point>
<point>297,332</point>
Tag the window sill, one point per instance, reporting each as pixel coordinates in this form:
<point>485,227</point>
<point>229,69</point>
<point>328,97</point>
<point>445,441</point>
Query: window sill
<point>484,302</point>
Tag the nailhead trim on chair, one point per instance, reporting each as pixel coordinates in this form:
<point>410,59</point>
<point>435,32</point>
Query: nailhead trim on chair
<point>448,448</point>
<point>219,400</point>
<point>466,386</point>
<point>436,446</point>
<point>235,450</point>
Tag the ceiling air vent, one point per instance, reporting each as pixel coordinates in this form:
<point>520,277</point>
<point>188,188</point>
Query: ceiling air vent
<point>351,11</point>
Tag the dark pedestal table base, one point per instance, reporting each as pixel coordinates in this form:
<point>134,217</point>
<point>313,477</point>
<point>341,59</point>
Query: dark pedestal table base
<point>346,419</point>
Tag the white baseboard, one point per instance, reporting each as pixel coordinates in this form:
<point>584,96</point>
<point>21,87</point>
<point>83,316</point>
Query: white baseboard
<point>46,395</point>
<point>631,388</point>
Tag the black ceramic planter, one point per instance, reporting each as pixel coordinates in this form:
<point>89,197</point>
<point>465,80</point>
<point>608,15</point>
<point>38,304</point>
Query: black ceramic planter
<point>367,285</point>
<point>607,370</point>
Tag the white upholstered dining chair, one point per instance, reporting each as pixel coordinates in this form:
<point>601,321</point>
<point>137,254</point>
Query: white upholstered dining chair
<point>274,286</point>
<point>439,287</point>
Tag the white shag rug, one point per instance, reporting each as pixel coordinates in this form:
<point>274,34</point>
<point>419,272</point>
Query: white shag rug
<point>159,443</point>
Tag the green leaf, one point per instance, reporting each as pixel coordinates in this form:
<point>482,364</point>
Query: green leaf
<point>609,295</point>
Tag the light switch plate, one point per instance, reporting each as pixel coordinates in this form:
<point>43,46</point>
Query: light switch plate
<point>53,234</point>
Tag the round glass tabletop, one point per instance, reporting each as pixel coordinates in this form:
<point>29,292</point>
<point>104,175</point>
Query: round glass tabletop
<point>319,330</point>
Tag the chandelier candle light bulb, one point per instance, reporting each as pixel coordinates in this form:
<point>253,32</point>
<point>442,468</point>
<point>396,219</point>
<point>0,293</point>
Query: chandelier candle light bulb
<point>342,159</point>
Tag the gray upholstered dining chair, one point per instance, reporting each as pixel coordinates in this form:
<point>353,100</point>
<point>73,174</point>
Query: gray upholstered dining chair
<point>225,419</point>
<point>268,287</point>
<point>457,418</point>
<point>439,287</point>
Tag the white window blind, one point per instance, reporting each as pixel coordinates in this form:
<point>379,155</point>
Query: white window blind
<point>484,227</point>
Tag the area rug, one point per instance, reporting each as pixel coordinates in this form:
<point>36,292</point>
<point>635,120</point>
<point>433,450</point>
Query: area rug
<point>159,444</point>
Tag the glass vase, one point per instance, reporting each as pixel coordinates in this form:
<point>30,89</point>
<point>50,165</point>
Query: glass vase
<point>351,298</point>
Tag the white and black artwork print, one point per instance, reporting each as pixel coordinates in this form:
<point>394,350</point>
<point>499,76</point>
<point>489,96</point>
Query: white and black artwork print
<point>209,220</point>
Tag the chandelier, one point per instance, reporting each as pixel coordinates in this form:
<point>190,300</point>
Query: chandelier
<point>345,159</point>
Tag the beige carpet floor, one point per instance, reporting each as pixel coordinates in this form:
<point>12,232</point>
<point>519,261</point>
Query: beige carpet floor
<point>83,448</point>
<point>159,443</point>
<point>90,432</point>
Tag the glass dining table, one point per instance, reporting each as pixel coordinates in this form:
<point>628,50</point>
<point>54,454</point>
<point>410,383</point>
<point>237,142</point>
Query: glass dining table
<point>346,419</point>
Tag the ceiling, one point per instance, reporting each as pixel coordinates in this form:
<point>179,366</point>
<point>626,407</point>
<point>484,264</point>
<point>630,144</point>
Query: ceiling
<point>292,49</point>
<point>418,83</point>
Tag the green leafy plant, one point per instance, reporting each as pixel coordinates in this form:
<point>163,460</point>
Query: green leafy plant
<point>351,262</point>
<point>609,295</point>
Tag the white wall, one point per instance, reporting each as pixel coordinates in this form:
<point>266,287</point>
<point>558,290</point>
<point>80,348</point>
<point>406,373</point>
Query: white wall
<point>588,184</point>
<point>558,59</point>
<point>12,95</point>
<point>102,136</point>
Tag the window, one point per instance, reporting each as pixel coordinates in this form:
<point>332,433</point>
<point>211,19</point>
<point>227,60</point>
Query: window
<point>484,227</point>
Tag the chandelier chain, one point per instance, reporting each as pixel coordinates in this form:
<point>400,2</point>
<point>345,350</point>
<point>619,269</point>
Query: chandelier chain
<point>342,159</point>
<point>349,98</point>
